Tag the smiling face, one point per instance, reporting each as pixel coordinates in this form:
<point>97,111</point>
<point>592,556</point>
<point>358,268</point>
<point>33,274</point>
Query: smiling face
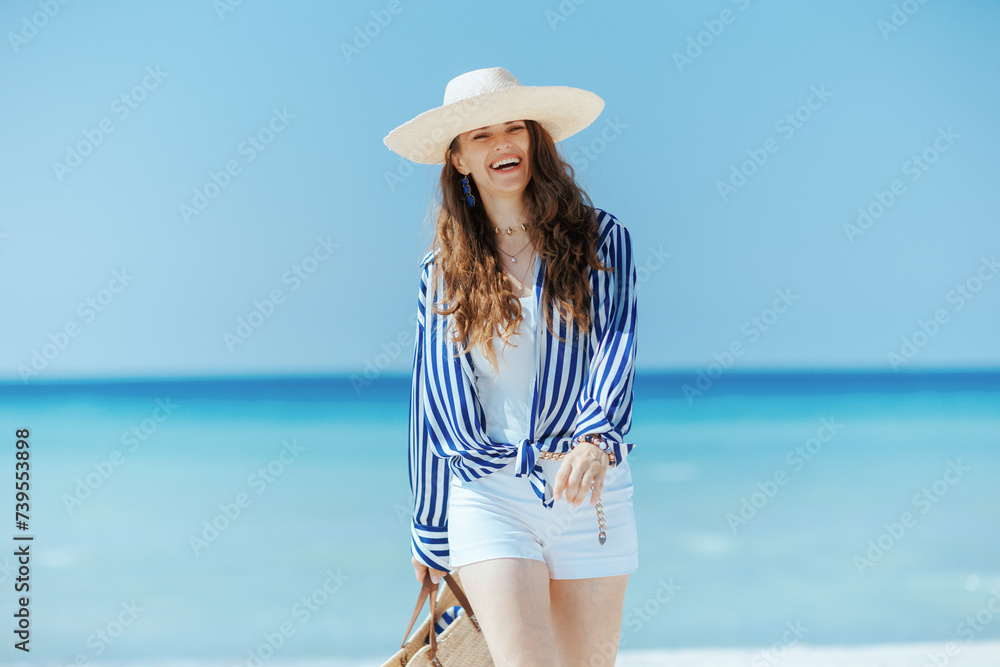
<point>497,157</point>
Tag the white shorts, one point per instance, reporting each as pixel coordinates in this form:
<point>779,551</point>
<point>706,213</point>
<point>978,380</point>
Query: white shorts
<point>499,516</point>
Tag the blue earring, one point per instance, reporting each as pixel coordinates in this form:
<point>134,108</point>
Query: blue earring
<point>469,199</point>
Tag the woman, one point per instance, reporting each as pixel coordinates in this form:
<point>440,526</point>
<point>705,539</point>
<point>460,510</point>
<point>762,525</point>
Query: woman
<point>522,376</point>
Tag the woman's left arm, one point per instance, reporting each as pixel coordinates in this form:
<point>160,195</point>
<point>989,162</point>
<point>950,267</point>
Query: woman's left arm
<point>605,403</point>
<point>604,406</point>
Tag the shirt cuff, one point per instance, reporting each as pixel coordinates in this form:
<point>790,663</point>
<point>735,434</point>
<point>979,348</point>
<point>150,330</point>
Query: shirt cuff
<point>429,545</point>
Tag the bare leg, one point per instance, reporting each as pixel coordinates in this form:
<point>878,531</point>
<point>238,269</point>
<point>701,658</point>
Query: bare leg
<point>510,597</point>
<point>587,619</point>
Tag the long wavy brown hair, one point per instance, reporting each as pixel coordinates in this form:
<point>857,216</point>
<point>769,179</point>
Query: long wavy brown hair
<point>563,229</point>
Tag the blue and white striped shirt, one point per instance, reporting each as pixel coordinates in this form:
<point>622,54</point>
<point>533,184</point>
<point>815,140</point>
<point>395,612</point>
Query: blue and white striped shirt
<point>580,388</point>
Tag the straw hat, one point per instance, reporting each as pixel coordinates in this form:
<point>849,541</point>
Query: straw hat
<point>486,97</point>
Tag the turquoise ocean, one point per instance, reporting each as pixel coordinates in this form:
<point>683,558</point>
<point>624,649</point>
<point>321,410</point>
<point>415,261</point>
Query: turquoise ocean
<point>240,519</point>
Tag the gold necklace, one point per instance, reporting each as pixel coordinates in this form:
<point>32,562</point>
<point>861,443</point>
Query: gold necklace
<point>520,281</point>
<point>513,258</point>
<point>509,230</point>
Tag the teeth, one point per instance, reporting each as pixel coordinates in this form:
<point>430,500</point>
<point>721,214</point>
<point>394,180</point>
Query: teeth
<point>505,162</point>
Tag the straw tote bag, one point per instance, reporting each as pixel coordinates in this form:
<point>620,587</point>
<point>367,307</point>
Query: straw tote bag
<point>418,639</point>
<point>461,644</point>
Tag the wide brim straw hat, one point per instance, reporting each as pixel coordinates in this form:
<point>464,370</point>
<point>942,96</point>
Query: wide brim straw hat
<point>488,96</point>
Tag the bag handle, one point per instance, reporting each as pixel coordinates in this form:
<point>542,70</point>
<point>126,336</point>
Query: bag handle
<point>430,590</point>
<point>432,652</point>
<point>425,591</point>
<point>462,600</point>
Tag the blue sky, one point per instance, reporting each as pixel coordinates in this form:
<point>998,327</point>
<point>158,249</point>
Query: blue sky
<point>738,142</point>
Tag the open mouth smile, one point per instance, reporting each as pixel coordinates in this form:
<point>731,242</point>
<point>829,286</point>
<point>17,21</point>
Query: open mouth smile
<point>506,164</point>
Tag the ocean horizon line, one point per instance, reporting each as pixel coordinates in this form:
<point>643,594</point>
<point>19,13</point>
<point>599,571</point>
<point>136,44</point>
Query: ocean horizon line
<point>649,382</point>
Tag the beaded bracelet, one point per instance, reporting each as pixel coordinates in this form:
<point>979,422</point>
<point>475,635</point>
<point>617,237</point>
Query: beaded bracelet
<point>584,438</point>
<point>598,441</point>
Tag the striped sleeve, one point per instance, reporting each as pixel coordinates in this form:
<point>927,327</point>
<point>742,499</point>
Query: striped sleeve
<point>605,403</point>
<point>429,473</point>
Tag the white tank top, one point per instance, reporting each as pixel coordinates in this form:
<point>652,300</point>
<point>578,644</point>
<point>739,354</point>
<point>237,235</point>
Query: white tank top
<point>506,397</point>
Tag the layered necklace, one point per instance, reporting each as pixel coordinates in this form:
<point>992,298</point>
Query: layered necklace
<point>513,258</point>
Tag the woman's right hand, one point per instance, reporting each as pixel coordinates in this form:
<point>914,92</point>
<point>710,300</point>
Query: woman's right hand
<point>420,569</point>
